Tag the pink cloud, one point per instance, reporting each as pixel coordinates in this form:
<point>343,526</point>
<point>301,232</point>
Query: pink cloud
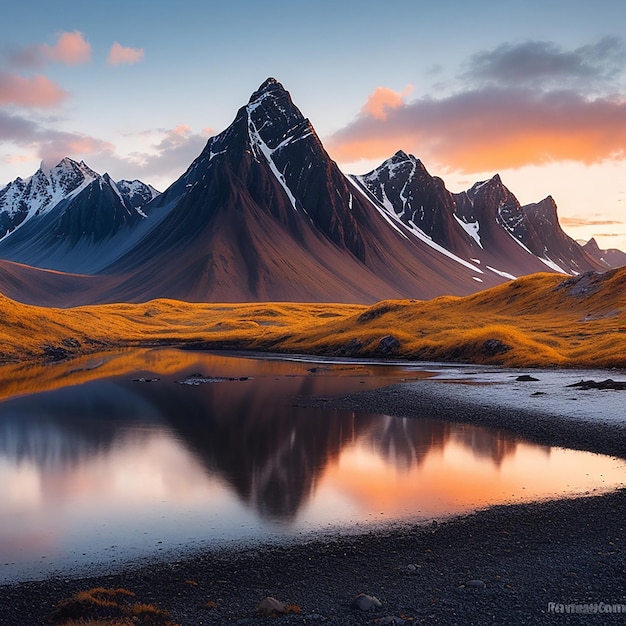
<point>36,91</point>
<point>173,152</point>
<point>120,54</point>
<point>49,144</point>
<point>181,130</point>
<point>383,99</point>
<point>70,49</point>
<point>56,146</point>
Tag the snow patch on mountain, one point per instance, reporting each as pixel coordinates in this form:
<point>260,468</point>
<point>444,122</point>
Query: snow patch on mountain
<point>471,228</point>
<point>549,262</point>
<point>260,147</point>
<point>383,210</point>
<point>393,219</point>
<point>501,273</point>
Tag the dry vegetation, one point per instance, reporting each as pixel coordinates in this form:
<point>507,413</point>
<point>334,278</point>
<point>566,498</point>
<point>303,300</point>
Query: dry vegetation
<point>108,607</point>
<point>538,320</point>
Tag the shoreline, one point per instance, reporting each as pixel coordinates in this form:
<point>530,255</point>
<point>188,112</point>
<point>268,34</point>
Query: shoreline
<point>499,565</point>
<point>427,399</point>
<point>503,564</point>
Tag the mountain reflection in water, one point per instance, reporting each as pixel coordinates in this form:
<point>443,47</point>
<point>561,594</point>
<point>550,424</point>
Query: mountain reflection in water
<point>168,458</point>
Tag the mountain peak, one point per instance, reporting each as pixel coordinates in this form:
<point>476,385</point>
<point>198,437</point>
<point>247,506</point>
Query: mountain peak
<point>268,86</point>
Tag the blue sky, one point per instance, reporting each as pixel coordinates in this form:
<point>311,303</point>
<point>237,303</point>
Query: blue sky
<point>532,90</point>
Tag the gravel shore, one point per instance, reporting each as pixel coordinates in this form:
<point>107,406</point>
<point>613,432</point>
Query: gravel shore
<point>503,565</point>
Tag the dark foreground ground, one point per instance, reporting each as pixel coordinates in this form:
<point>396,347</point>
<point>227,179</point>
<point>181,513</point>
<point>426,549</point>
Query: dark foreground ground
<point>504,565</point>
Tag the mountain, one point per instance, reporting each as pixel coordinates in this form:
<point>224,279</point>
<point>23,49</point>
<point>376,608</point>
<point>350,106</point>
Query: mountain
<point>480,224</point>
<point>610,258</point>
<point>135,193</point>
<point>59,218</point>
<point>264,214</point>
<point>23,199</point>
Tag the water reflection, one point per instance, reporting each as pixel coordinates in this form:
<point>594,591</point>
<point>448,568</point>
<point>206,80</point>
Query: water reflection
<point>117,462</point>
<point>63,429</point>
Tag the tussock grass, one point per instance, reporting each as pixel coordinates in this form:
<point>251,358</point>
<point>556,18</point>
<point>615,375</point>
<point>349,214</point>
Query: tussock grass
<point>108,607</point>
<point>537,320</point>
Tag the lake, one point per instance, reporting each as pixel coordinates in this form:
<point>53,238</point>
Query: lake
<point>145,454</point>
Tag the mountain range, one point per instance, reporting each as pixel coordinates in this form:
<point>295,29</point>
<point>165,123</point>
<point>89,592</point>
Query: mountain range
<point>264,214</point>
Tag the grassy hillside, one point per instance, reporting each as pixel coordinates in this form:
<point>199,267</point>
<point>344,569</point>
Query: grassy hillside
<point>538,320</point>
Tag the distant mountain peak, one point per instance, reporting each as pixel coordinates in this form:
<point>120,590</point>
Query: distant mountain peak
<point>611,257</point>
<point>399,162</point>
<point>69,200</point>
<point>269,85</point>
<point>401,155</point>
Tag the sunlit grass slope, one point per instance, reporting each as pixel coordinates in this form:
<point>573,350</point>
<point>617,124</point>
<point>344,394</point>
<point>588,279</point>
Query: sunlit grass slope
<point>538,320</point>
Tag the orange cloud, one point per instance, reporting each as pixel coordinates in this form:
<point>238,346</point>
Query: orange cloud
<point>384,98</point>
<point>491,129</point>
<point>37,91</point>
<point>120,54</point>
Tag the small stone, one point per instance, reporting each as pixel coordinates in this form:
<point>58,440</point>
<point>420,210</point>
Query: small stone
<point>390,620</point>
<point>270,606</point>
<point>412,568</point>
<point>364,602</point>
<point>526,378</point>
<point>476,584</point>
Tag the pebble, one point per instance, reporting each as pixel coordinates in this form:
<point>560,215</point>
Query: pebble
<point>476,584</point>
<point>270,606</point>
<point>365,602</point>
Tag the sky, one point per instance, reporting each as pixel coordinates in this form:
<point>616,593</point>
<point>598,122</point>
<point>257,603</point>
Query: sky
<point>534,91</point>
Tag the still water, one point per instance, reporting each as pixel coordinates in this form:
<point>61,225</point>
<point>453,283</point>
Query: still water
<point>98,468</point>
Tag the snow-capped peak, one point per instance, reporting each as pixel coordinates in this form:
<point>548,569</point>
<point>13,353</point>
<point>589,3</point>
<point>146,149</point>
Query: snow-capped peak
<point>22,200</point>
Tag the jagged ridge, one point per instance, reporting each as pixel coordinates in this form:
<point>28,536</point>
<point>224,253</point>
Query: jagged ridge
<point>263,213</point>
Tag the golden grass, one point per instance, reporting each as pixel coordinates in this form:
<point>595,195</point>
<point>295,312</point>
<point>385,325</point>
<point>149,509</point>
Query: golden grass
<point>108,607</point>
<point>537,320</point>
